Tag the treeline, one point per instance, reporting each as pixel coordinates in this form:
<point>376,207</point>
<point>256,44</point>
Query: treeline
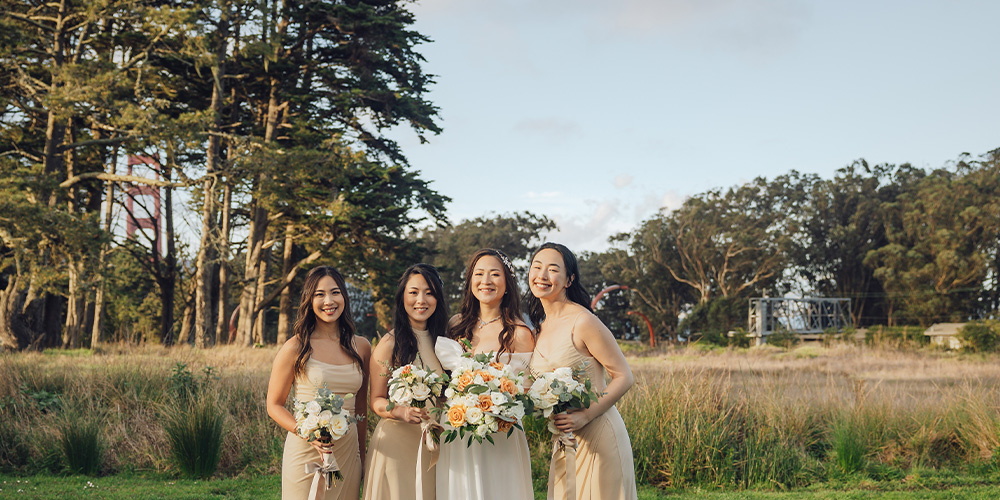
<point>906,245</point>
<point>270,117</point>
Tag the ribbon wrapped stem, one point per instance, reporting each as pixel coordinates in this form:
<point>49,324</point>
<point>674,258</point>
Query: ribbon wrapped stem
<point>564,443</point>
<point>429,429</point>
<point>323,472</point>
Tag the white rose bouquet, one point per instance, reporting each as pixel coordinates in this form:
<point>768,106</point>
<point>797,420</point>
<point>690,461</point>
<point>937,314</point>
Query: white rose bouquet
<point>324,419</point>
<point>413,386</point>
<point>559,391</point>
<point>483,397</point>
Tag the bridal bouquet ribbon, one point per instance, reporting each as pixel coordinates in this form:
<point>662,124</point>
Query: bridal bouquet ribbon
<point>414,386</point>
<point>483,397</point>
<point>556,392</point>
<point>324,419</point>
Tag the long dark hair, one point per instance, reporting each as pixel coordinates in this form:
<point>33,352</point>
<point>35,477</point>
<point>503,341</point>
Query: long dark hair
<point>510,307</point>
<point>404,349</point>
<point>305,320</point>
<point>575,292</point>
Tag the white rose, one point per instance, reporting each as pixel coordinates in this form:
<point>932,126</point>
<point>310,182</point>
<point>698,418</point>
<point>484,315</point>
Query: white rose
<point>402,395</point>
<point>474,415</point>
<point>482,431</point>
<point>339,425</point>
<point>421,392</point>
<point>517,411</point>
<point>311,422</point>
<point>449,393</point>
<point>563,373</point>
<point>313,408</point>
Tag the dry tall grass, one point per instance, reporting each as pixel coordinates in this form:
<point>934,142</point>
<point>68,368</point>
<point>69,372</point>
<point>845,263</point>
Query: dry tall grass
<point>734,418</point>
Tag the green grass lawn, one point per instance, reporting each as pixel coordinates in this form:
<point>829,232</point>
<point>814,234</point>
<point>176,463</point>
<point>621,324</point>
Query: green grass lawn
<point>139,487</point>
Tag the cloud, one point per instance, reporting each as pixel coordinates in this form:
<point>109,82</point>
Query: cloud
<point>622,180</point>
<point>762,27</point>
<point>545,195</point>
<point>553,129</point>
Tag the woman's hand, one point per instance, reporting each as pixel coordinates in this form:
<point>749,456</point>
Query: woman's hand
<point>322,446</point>
<point>571,421</point>
<point>409,414</point>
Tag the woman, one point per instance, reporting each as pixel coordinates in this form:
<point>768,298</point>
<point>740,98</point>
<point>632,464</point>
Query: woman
<point>490,320</point>
<point>420,318</point>
<point>323,352</point>
<point>569,334</point>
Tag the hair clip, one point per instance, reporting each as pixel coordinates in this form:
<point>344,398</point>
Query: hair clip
<point>505,260</point>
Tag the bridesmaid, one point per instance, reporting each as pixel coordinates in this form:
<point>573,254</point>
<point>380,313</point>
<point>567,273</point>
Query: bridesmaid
<point>323,351</point>
<point>569,334</point>
<point>490,320</point>
<point>421,317</point>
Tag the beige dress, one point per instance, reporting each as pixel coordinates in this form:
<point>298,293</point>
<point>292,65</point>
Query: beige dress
<point>391,471</point>
<point>295,483</point>
<point>604,466</point>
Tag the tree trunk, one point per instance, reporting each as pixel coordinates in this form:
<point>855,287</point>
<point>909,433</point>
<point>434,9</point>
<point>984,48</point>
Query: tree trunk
<point>168,286</point>
<point>286,308</point>
<point>74,306</point>
<point>222,321</point>
<point>259,306</point>
<point>95,334</point>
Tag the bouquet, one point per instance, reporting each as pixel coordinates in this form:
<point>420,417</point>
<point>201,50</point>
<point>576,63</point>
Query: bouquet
<point>555,392</point>
<point>324,419</point>
<point>560,390</point>
<point>414,386</point>
<point>483,397</point>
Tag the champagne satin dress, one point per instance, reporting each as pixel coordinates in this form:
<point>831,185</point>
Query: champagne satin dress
<point>605,469</point>
<point>295,482</point>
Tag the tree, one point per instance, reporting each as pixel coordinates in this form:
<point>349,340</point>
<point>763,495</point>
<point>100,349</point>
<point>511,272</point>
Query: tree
<point>449,248</point>
<point>941,234</point>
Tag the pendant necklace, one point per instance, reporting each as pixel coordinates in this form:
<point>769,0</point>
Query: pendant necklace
<point>484,323</point>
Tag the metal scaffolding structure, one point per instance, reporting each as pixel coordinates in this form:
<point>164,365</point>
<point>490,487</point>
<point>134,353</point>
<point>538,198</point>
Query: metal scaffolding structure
<point>808,317</point>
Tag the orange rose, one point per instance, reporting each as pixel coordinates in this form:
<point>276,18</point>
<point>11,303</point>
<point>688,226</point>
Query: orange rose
<point>504,426</point>
<point>456,416</point>
<point>486,376</point>
<point>464,380</point>
<point>485,402</point>
<point>498,366</point>
<point>507,385</point>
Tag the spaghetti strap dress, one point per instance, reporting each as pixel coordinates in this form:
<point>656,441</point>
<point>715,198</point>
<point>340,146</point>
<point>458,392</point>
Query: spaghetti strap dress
<point>295,482</point>
<point>604,466</point>
<point>392,458</point>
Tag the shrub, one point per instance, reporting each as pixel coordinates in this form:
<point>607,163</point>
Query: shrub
<point>980,336</point>
<point>195,435</point>
<point>81,443</point>
<point>849,444</point>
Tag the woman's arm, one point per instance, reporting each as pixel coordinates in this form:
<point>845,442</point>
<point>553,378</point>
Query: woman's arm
<point>597,339</point>
<point>379,377</point>
<point>361,405</point>
<point>280,384</point>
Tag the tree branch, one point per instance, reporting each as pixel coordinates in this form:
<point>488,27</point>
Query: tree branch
<point>121,178</point>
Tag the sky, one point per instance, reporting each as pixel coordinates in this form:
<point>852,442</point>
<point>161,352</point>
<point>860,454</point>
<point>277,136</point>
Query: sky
<point>598,114</point>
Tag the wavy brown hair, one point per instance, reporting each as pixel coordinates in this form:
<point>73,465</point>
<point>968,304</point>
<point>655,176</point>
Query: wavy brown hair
<point>305,320</point>
<point>510,306</point>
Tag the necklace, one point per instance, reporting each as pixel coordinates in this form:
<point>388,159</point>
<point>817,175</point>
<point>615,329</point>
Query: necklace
<point>484,323</point>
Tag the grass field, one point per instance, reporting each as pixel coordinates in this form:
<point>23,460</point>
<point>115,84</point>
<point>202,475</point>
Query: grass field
<point>836,421</point>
